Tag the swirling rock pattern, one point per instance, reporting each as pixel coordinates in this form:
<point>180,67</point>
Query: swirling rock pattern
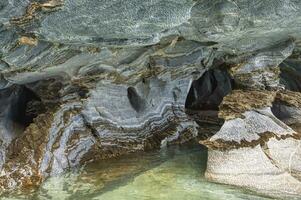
<point>87,80</point>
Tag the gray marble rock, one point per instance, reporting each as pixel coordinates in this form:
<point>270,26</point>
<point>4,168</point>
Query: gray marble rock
<point>252,168</point>
<point>258,152</point>
<point>109,77</point>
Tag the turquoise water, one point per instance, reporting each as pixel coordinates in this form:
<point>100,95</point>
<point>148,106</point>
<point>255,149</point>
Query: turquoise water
<point>175,173</point>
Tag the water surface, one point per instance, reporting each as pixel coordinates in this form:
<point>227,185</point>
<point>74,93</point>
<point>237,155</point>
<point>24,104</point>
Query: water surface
<point>173,173</point>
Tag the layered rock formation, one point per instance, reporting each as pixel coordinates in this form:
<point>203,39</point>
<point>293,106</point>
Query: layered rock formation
<point>254,148</point>
<point>88,80</point>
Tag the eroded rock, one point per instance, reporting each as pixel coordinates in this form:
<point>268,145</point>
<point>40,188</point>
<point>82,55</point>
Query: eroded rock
<point>253,148</point>
<point>114,77</point>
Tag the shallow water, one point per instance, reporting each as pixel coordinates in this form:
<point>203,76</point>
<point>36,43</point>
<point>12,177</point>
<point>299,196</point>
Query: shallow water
<point>175,173</point>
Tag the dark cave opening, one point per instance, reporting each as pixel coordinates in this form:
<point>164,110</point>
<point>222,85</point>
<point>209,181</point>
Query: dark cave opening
<point>207,92</point>
<point>287,114</point>
<point>279,111</point>
<point>203,100</point>
<point>26,107</point>
<point>290,79</point>
<point>290,73</point>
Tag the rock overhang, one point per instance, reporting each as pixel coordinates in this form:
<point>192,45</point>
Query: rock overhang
<point>128,66</point>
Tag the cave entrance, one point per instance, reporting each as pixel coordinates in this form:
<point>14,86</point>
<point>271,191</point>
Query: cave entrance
<point>26,107</point>
<point>290,78</point>
<point>290,72</point>
<point>204,97</point>
<point>207,92</point>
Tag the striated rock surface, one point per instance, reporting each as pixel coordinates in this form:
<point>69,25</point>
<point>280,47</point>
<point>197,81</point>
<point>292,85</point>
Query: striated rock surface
<point>82,81</point>
<point>253,148</point>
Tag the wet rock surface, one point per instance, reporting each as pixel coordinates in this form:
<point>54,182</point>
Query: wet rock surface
<point>83,81</point>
